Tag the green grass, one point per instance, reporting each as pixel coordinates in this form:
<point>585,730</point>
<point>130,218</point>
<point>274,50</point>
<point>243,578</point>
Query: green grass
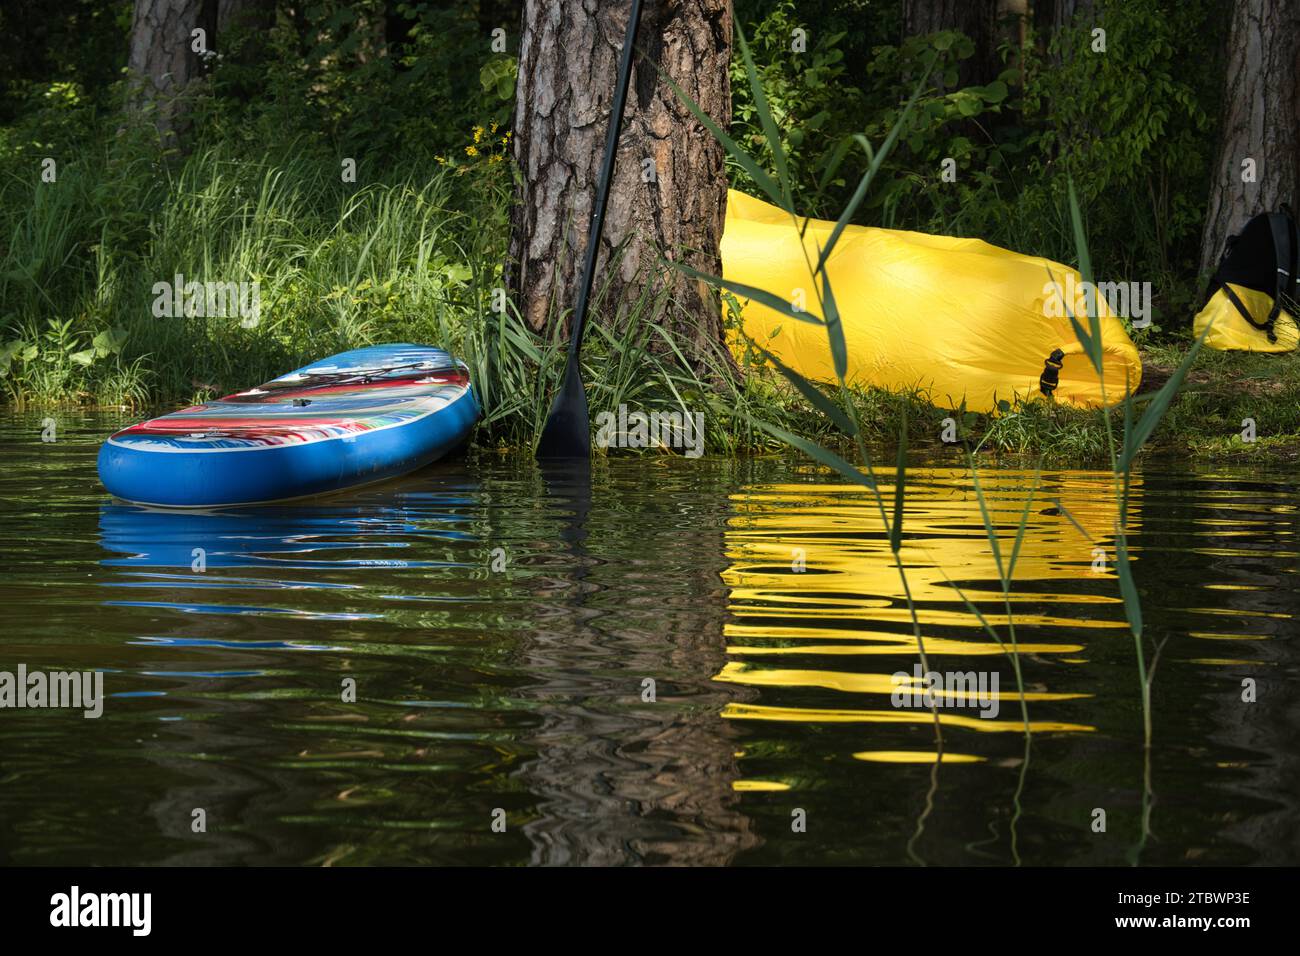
<point>1223,390</point>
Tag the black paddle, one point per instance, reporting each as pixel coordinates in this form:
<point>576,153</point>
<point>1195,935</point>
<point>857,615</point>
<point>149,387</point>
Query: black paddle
<point>567,432</point>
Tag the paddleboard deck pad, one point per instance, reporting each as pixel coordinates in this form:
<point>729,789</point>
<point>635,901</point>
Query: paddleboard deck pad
<point>351,419</point>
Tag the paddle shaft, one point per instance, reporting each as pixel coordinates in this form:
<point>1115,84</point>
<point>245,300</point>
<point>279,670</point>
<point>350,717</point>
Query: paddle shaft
<point>602,188</point>
<point>567,431</point>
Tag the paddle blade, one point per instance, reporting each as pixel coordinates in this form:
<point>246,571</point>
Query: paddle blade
<point>567,432</point>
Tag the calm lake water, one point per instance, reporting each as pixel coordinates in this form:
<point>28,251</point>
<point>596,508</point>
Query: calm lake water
<point>511,685</point>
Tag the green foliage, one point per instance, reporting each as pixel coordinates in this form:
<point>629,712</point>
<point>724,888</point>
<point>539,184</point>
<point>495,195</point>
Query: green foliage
<point>820,103</point>
<point>811,102</point>
<point>498,77</point>
<point>56,363</point>
<point>947,133</point>
<point>1134,126</point>
<point>76,44</point>
<point>368,78</point>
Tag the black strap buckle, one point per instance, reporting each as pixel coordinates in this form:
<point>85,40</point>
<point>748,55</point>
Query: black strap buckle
<point>1051,377</point>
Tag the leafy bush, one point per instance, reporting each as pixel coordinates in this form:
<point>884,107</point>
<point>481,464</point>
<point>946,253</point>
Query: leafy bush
<point>1134,126</point>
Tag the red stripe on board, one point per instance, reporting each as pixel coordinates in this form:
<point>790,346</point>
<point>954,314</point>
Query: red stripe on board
<point>279,393</point>
<point>240,426</point>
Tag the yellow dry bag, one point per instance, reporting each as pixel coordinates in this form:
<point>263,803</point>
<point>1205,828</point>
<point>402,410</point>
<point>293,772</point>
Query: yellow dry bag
<point>1250,305</point>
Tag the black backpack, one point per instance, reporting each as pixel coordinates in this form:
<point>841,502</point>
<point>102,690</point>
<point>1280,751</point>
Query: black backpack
<point>1264,256</point>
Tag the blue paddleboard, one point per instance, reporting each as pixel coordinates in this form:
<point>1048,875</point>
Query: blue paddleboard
<point>351,419</point>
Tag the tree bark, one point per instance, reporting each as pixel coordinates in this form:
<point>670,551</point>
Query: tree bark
<point>1052,14</point>
<point>1260,113</point>
<point>162,61</point>
<point>568,64</point>
<point>244,14</point>
<point>978,19</point>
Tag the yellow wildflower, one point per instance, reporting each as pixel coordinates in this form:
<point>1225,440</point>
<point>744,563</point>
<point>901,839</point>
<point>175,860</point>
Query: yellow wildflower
<point>478,134</point>
<point>471,150</point>
<point>494,127</point>
<point>494,159</point>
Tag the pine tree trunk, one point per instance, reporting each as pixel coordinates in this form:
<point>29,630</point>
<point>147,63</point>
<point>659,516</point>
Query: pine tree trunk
<point>162,61</point>
<point>1259,122</point>
<point>670,189</point>
<point>978,19</point>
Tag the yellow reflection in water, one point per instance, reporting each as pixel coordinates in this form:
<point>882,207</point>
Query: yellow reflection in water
<point>834,532</point>
<point>841,716</point>
<point>811,577</point>
<point>933,645</point>
<point>913,756</point>
<point>855,683</point>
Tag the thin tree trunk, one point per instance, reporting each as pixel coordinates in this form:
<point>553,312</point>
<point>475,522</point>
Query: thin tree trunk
<point>1012,15</point>
<point>670,188</point>
<point>162,60</point>
<point>1259,121</point>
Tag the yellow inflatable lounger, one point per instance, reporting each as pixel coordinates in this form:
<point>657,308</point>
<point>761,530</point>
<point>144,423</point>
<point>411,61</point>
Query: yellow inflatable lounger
<point>957,318</point>
<point>1255,278</point>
